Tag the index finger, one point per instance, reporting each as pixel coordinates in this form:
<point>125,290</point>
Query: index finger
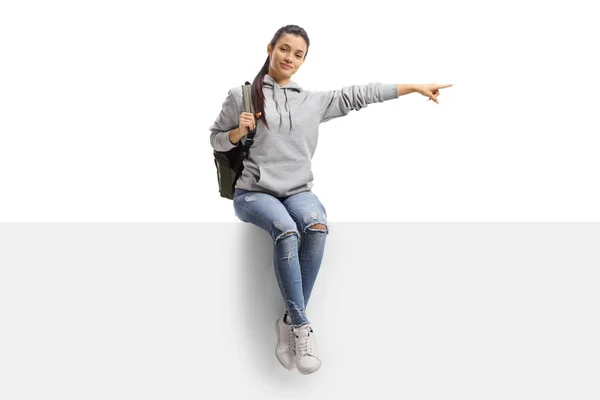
<point>443,86</point>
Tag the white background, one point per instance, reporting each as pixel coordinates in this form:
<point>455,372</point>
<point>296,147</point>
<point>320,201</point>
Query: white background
<point>105,108</point>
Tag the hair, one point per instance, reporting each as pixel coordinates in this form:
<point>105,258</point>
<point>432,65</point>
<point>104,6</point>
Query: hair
<point>258,96</point>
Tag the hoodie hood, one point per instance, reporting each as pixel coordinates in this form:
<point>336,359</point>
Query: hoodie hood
<point>271,84</point>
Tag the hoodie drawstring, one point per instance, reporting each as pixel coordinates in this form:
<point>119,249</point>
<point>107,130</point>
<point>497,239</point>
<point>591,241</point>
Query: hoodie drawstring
<point>287,107</point>
<point>277,105</point>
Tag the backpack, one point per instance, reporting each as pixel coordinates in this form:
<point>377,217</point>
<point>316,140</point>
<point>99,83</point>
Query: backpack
<point>229,163</point>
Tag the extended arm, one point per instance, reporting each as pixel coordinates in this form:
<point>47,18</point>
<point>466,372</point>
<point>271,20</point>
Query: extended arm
<point>337,103</point>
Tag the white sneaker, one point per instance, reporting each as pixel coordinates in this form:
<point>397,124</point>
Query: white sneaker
<point>307,360</point>
<point>286,345</point>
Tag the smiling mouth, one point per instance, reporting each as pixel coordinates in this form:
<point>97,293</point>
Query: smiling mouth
<point>286,66</point>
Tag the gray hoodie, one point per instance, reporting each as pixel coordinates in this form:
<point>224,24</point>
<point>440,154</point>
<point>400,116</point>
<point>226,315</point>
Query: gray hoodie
<point>279,162</point>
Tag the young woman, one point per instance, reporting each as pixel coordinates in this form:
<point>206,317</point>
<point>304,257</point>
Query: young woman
<point>274,190</point>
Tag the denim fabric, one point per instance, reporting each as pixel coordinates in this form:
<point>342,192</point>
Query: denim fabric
<point>297,246</point>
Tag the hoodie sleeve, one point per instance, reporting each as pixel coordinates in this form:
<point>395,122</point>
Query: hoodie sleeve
<point>228,119</point>
<point>337,103</point>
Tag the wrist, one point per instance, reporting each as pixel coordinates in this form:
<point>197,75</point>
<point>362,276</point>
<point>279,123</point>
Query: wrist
<point>406,88</point>
<point>234,135</point>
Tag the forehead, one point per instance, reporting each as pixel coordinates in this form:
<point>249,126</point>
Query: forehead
<point>293,41</point>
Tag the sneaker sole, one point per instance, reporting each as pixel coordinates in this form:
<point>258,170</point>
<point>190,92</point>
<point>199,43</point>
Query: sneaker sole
<point>279,358</point>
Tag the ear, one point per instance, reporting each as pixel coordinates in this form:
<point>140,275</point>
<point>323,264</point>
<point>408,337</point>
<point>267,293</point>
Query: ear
<point>269,49</point>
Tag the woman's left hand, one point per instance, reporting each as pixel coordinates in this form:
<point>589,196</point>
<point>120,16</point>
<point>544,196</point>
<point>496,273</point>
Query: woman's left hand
<point>431,90</point>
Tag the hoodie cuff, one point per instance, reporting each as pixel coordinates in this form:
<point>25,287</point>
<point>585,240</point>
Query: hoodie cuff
<point>224,141</point>
<point>389,91</point>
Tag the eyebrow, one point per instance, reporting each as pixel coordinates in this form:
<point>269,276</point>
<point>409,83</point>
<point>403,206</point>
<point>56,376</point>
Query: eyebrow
<point>287,45</point>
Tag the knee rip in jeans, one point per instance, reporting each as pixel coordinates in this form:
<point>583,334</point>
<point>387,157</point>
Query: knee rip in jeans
<point>318,227</point>
<point>285,234</point>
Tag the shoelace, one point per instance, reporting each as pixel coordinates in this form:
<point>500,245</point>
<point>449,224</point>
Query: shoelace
<point>304,345</point>
<point>291,341</point>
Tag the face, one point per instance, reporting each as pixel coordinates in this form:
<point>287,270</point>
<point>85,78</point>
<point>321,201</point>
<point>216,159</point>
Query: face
<point>290,50</point>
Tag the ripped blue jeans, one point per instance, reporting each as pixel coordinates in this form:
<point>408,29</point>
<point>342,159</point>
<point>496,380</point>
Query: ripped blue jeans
<point>297,245</point>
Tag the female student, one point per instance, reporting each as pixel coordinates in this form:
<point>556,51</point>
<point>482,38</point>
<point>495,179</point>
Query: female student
<point>274,190</point>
